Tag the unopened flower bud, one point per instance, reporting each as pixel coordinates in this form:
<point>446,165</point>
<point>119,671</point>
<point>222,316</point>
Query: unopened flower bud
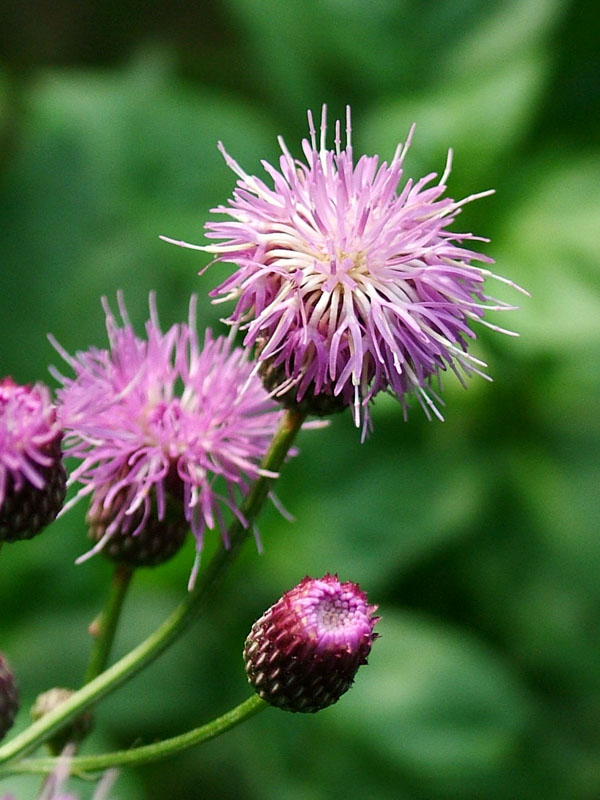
<point>303,653</point>
<point>32,475</point>
<point>74,731</point>
<point>9,697</point>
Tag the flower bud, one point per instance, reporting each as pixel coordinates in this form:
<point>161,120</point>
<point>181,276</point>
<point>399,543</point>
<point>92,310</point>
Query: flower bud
<point>9,697</point>
<point>303,653</point>
<point>74,731</point>
<point>32,475</point>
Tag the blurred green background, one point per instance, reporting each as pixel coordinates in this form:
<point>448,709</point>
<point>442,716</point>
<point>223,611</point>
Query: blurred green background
<point>478,537</point>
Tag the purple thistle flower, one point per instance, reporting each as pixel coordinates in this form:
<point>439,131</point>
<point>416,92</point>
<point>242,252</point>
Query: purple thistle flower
<point>304,652</point>
<point>32,476</point>
<point>163,418</point>
<point>346,284</point>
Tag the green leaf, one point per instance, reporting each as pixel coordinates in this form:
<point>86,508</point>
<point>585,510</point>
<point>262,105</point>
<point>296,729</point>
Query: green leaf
<point>109,161</point>
<point>481,117</point>
<point>549,244</point>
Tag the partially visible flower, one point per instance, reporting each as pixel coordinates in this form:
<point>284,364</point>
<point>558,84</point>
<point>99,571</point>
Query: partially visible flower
<point>9,697</point>
<point>55,784</point>
<point>167,433</point>
<point>303,653</point>
<point>32,475</point>
<point>347,282</point>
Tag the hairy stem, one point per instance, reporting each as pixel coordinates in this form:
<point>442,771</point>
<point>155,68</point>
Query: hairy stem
<point>104,627</point>
<point>137,756</point>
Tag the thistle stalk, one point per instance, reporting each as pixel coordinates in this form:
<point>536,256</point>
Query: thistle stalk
<point>104,627</point>
<point>138,756</point>
<point>177,622</point>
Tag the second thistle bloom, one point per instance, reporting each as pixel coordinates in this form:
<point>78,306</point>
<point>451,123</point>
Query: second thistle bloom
<point>167,431</point>
<point>348,282</point>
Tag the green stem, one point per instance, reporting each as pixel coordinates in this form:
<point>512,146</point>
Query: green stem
<point>181,617</point>
<point>104,627</point>
<point>150,752</point>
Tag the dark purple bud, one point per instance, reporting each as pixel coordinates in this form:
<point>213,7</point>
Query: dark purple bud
<point>303,653</point>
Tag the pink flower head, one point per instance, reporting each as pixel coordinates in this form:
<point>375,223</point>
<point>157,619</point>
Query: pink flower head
<point>304,652</point>
<point>347,282</point>
<point>32,479</point>
<point>163,417</point>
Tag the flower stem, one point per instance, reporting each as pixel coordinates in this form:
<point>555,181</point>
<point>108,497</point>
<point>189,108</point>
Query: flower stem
<point>175,624</point>
<point>104,627</point>
<point>137,756</point>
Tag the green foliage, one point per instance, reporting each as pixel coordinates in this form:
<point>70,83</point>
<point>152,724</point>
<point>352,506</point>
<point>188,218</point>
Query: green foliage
<point>478,536</point>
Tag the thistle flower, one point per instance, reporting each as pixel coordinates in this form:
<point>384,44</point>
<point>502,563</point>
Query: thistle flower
<point>32,476</point>
<point>347,284</point>
<point>9,697</point>
<point>161,424</point>
<point>304,652</point>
